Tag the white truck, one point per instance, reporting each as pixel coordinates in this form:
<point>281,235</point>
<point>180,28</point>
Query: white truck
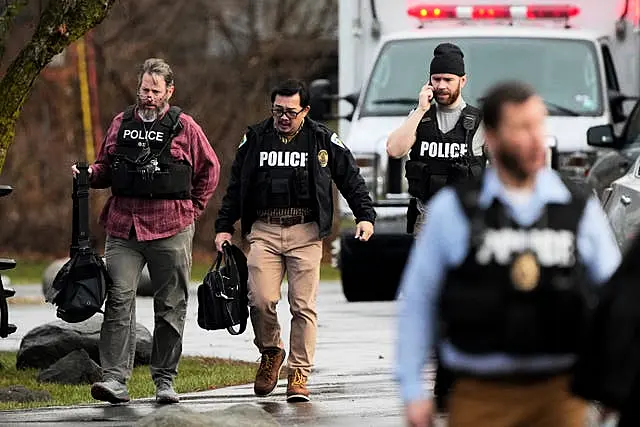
<point>583,58</point>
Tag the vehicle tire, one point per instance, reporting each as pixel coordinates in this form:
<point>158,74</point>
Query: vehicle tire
<point>371,271</point>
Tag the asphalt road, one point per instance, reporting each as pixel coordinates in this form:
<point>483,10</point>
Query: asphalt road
<point>352,384</point>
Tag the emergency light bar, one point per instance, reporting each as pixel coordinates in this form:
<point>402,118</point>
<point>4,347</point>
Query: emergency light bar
<point>430,11</point>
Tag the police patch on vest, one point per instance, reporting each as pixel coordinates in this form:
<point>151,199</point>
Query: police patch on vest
<point>525,272</point>
<point>550,247</point>
<point>323,158</point>
<point>443,150</point>
<point>336,140</point>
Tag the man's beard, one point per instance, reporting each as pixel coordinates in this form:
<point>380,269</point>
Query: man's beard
<point>510,162</point>
<point>451,99</point>
<point>150,112</point>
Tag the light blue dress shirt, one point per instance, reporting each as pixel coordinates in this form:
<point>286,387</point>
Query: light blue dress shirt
<point>443,243</point>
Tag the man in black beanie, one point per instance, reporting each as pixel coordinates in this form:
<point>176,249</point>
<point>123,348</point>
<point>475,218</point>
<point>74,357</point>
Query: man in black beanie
<point>445,144</point>
<point>443,136</point>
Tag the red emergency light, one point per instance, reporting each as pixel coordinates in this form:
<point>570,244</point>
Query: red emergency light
<point>430,11</point>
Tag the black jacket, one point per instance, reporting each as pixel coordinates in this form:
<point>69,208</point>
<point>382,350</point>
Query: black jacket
<point>341,169</point>
<point>608,367</point>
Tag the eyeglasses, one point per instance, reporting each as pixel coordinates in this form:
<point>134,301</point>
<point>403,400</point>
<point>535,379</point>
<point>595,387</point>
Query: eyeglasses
<point>279,112</point>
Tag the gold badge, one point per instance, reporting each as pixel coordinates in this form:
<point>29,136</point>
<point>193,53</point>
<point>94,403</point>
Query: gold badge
<point>525,272</point>
<point>323,157</point>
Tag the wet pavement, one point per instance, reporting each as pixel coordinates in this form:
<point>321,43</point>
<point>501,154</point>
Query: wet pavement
<point>352,383</point>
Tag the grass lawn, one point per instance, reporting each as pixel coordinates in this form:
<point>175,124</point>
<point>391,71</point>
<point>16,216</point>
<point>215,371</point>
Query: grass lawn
<point>194,374</point>
<point>30,271</point>
<point>27,271</point>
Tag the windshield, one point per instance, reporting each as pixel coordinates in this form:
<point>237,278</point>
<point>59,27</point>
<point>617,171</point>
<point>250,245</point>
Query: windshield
<point>564,72</point>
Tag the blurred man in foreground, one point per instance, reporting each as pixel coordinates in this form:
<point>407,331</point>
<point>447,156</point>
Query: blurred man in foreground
<point>499,264</point>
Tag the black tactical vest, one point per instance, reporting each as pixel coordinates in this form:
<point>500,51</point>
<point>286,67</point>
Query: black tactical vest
<point>282,178</point>
<point>142,165</point>
<point>520,290</point>
<point>438,159</point>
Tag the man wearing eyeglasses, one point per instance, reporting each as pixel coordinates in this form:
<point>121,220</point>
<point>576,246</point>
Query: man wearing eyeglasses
<point>281,190</point>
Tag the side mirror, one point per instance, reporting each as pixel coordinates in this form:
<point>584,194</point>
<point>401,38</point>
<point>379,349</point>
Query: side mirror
<point>601,136</point>
<point>616,103</point>
<point>553,157</point>
<point>320,99</point>
<point>352,99</point>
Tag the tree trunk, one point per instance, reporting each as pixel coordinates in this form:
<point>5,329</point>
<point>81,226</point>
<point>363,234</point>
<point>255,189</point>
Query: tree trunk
<point>61,23</point>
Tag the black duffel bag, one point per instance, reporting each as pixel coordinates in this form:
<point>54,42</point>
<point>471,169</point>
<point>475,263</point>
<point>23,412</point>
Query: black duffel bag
<point>223,299</point>
<point>79,289</point>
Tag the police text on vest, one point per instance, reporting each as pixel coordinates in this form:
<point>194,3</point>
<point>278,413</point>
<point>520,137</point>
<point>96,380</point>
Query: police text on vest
<point>140,135</point>
<point>292,159</point>
<point>443,150</point>
<point>552,247</point>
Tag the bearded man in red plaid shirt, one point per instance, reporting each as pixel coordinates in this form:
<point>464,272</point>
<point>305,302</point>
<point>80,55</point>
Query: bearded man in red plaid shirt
<point>162,172</point>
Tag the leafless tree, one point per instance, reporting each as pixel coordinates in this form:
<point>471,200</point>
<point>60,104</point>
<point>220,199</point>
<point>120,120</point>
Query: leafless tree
<point>226,55</point>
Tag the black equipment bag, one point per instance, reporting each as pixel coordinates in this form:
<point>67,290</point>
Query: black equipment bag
<point>79,289</point>
<point>223,299</point>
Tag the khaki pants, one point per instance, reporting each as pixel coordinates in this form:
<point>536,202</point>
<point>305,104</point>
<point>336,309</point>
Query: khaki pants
<point>545,403</point>
<point>298,251</point>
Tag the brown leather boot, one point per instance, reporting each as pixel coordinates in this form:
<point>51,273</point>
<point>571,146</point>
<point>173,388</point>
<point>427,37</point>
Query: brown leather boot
<point>269,371</point>
<point>297,386</point>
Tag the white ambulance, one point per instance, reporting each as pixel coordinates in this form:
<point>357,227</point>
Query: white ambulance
<point>583,58</point>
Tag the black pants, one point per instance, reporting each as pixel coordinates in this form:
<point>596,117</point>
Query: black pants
<point>443,383</point>
<point>630,413</point>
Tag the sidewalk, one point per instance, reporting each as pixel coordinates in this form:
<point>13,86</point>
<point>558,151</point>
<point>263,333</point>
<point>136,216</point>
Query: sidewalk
<point>352,383</point>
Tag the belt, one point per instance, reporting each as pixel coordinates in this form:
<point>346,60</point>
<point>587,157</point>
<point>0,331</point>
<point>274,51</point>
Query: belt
<point>520,378</point>
<point>287,221</point>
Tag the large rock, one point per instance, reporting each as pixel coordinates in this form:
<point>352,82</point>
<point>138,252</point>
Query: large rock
<point>243,415</point>
<point>19,393</point>
<point>174,415</point>
<point>44,345</point>
<point>75,368</point>
<point>144,286</point>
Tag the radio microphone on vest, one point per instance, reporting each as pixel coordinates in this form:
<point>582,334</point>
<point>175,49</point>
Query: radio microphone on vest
<point>468,122</point>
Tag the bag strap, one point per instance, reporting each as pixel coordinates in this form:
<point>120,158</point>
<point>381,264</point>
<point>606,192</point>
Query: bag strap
<point>216,264</point>
<point>80,219</point>
<point>228,255</point>
<point>243,322</point>
<point>231,262</point>
<point>174,116</point>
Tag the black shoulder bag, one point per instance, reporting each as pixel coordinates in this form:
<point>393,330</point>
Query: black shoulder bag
<point>223,299</point>
<point>79,289</point>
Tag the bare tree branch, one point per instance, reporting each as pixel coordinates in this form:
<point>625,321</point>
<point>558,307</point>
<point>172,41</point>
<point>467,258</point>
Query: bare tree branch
<point>61,23</point>
<point>217,17</point>
<point>10,10</point>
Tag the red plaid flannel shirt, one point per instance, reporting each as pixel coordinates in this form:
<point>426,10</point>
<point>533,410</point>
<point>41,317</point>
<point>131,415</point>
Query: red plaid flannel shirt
<point>157,219</point>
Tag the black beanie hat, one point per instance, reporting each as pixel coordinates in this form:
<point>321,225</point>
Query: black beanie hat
<point>447,59</point>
